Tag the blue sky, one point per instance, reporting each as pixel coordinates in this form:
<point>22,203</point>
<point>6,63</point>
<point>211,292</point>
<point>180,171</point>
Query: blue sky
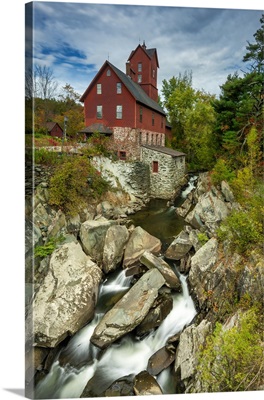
<point>74,39</point>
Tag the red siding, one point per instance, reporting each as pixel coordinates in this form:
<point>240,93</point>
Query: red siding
<point>146,123</point>
<point>109,99</point>
<point>149,81</point>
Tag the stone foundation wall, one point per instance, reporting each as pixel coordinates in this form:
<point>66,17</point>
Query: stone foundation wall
<point>170,173</point>
<point>133,177</point>
<point>129,140</point>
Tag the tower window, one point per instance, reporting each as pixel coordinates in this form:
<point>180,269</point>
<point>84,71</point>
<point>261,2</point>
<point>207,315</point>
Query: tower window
<point>139,67</point>
<point>139,78</point>
<point>108,72</point>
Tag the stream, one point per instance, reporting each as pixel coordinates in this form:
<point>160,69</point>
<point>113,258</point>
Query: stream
<point>80,361</point>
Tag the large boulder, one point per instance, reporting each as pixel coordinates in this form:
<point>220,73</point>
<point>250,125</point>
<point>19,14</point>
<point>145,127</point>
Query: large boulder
<point>151,261</point>
<point>210,210</point>
<point>92,235</point>
<point>161,307</point>
<point>66,299</point>
<point>129,311</point>
<point>160,360</point>
<point>180,246</point>
<point>191,340</point>
<point>145,384</point>
<point>115,242</point>
<point>202,269</point>
<point>140,241</point>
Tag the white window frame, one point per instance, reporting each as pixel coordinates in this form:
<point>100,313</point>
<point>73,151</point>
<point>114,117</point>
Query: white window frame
<point>119,112</point>
<point>99,112</point>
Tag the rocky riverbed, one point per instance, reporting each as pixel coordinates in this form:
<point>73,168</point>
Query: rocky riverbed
<point>62,289</point>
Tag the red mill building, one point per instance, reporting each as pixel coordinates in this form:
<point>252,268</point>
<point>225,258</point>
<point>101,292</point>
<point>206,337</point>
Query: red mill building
<point>124,107</point>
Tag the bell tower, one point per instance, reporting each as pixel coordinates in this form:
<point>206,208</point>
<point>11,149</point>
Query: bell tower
<point>142,67</point>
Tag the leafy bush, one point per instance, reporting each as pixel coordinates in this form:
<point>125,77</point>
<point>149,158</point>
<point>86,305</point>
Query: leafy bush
<point>241,230</point>
<point>202,237</point>
<point>45,157</point>
<point>221,172</point>
<point>73,183</point>
<point>47,248</point>
<point>232,360</point>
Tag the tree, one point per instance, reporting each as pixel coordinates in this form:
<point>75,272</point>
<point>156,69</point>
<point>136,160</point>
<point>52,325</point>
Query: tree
<point>240,105</point>
<point>232,359</point>
<point>192,118</point>
<point>255,52</point>
<point>44,85</point>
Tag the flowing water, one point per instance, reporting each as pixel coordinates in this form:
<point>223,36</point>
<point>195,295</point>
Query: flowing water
<point>161,220</point>
<point>81,361</point>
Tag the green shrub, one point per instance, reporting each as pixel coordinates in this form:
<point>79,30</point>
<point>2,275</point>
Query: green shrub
<point>45,157</point>
<point>73,183</point>
<point>232,360</point>
<point>241,230</point>
<point>47,248</point>
<point>221,172</point>
<point>202,237</point>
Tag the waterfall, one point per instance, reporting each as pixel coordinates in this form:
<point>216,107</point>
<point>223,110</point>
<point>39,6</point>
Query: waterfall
<point>80,360</point>
<point>190,186</point>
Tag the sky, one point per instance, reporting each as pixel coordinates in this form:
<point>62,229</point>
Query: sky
<point>75,39</point>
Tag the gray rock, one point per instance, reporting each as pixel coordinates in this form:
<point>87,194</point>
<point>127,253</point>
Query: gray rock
<point>151,261</point>
<point>160,360</point>
<point>92,235</point>
<point>180,246</point>
<point>138,243</point>
<point>66,299</point>
<point>209,212</point>
<point>202,269</point>
<point>227,192</point>
<point>115,242</point>
<point>162,306</point>
<point>145,384</point>
<point>129,311</point>
<point>191,339</point>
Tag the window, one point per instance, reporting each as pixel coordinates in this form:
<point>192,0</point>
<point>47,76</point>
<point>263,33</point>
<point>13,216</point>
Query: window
<point>139,67</point>
<point>139,78</point>
<point>119,112</point>
<point>119,87</point>
<point>140,137</point>
<point>147,138</point>
<point>99,88</point>
<point>157,139</point>
<point>155,166</point>
<point>153,119</point>
<point>153,73</point>
<point>108,72</point>
<point>99,112</point>
<point>152,138</point>
<point>122,155</point>
<point>140,114</point>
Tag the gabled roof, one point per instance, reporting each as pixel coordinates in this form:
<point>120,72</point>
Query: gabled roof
<point>50,125</point>
<point>150,52</point>
<point>166,150</point>
<point>134,88</point>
